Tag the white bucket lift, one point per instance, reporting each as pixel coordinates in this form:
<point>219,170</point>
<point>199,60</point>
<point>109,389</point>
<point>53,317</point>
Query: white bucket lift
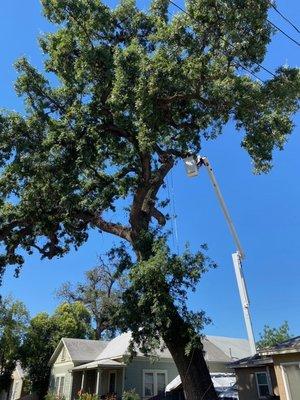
<point>192,165</point>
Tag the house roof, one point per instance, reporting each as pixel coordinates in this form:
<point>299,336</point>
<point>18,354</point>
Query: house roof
<point>100,363</point>
<point>80,350</point>
<point>217,349</point>
<point>118,347</point>
<point>234,348</point>
<point>213,353</point>
<point>262,358</point>
<point>288,346</point>
<point>254,361</point>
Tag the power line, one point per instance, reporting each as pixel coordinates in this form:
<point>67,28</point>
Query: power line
<point>284,33</point>
<point>171,212</point>
<point>230,44</point>
<point>174,214</point>
<point>237,65</point>
<point>283,16</point>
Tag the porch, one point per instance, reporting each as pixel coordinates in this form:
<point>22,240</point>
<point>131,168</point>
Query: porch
<point>103,378</point>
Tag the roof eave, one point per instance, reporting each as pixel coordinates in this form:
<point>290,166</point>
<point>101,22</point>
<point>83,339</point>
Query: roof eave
<point>275,352</point>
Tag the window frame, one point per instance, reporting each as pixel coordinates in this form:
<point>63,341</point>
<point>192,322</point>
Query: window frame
<point>57,388</point>
<point>264,384</point>
<point>155,372</point>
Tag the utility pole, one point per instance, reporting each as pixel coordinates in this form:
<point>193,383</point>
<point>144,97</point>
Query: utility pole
<point>192,165</point>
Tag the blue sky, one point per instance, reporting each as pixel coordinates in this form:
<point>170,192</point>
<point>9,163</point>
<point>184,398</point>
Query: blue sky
<point>265,208</point>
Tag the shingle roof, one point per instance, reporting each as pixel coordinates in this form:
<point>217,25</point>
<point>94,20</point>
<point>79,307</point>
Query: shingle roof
<point>253,361</point>
<point>118,347</point>
<point>80,350</point>
<point>83,349</point>
<point>100,363</point>
<point>212,353</point>
<point>288,346</point>
<point>217,349</point>
<point>234,348</point>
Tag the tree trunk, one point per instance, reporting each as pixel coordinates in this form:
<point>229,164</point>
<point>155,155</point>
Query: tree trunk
<point>192,368</point>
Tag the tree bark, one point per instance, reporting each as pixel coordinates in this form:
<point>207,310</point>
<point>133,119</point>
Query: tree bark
<point>192,368</point>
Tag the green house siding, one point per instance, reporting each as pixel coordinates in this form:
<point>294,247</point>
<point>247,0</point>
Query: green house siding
<point>62,370</point>
<point>133,378</point>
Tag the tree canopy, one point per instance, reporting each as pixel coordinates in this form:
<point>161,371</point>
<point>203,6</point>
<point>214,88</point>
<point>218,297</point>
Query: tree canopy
<point>133,92</point>
<point>14,319</point>
<point>102,290</point>
<point>124,95</point>
<point>42,337</point>
<point>272,336</point>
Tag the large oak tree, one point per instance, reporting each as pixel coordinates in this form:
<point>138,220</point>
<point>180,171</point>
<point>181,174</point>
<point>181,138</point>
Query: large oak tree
<point>126,94</point>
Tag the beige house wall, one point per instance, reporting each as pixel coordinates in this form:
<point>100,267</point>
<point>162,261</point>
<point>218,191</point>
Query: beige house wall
<point>246,382</point>
<point>62,367</point>
<point>281,359</point>
<point>16,387</point>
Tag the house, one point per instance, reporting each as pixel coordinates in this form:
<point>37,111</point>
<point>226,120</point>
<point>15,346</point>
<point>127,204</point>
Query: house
<point>272,371</point>
<point>256,377</point>
<point>69,354</point>
<point>16,389</point>
<point>104,369</point>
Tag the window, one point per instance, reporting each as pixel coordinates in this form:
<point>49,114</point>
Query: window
<point>112,382</point>
<point>149,384</point>
<point>56,386</point>
<point>161,382</point>
<point>263,386</point>
<point>59,385</point>
<point>154,382</point>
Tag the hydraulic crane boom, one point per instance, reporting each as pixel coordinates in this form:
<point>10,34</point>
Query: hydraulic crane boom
<point>192,166</point>
<point>204,161</point>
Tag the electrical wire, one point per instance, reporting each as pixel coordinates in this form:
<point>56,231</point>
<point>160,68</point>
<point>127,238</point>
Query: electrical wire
<point>174,213</point>
<point>230,44</point>
<point>283,32</point>
<point>170,210</point>
<point>283,16</point>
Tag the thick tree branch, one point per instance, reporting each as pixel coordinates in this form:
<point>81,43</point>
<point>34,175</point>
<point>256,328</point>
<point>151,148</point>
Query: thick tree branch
<point>159,216</point>
<point>113,228</point>
<point>143,207</point>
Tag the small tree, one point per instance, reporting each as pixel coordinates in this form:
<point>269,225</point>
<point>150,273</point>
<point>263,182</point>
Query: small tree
<point>135,91</point>
<point>42,337</point>
<point>272,336</point>
<point>102,291</point>
<point>13,324</point>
